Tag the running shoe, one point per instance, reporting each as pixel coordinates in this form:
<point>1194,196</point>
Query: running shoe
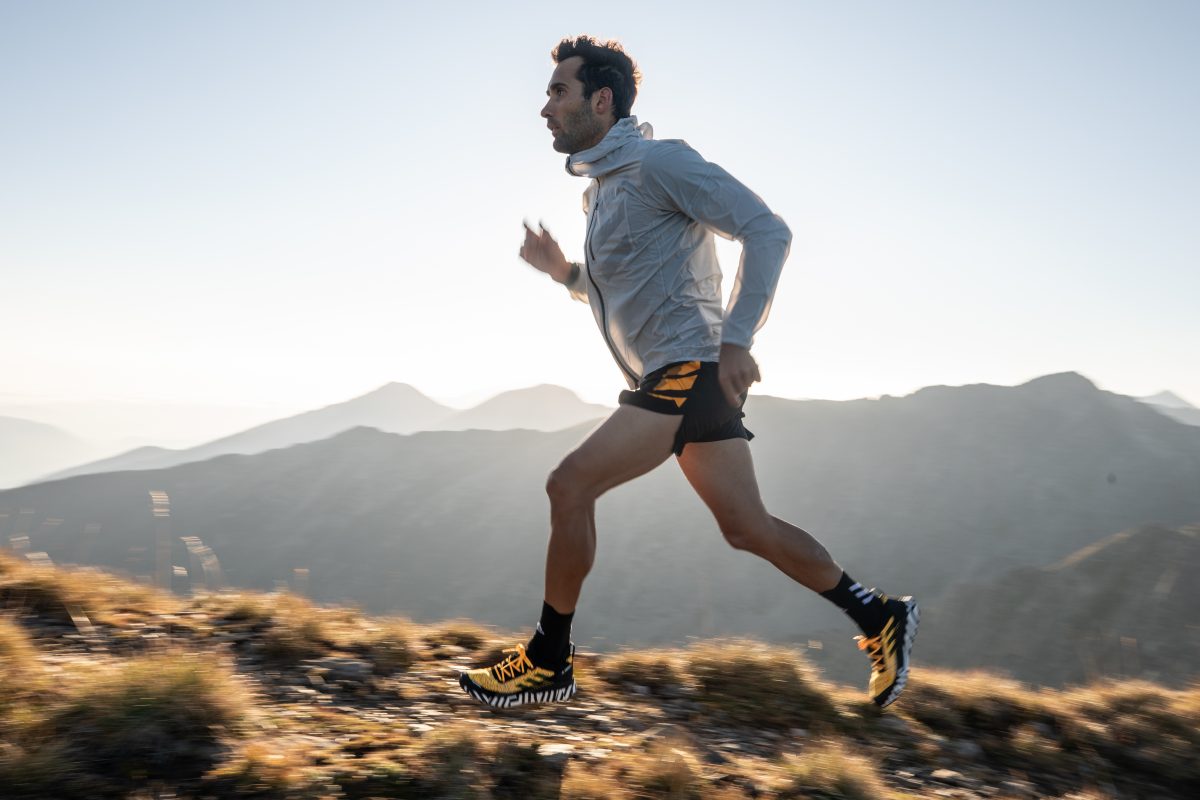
<point>517,681</point>
<point>890,650</point>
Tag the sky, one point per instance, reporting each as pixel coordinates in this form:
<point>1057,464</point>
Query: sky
<point>283,205</point>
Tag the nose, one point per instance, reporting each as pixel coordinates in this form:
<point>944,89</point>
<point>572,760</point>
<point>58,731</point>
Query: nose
<point>545,112</point>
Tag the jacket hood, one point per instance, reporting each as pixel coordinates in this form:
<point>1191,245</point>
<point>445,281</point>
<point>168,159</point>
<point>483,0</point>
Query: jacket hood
<point>612,152</point>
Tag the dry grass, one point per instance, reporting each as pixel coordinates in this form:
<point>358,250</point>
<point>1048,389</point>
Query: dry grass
<point>661,672</point>
<point>62,595</point>
<point>20,673</point>
<point>288,628</point>
<point>460,633</point>
<point>754,684</point>
<point>1136,725</point>
<point>668,768</point>
<point>958,703</point>
<point>265,766</point>
<point>828,771</point>
<point>387,642</point>
<point>151,717</point>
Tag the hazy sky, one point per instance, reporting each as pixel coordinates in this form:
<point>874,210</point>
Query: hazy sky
<point>290,203</point>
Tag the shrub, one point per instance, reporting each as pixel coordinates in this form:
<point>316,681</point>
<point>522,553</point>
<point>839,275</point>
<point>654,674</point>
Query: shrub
<point>155,716</point>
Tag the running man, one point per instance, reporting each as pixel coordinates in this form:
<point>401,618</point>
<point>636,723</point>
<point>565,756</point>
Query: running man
<point>651,277</point>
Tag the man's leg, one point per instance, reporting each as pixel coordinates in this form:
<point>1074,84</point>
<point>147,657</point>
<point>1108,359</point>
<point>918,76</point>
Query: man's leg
<point>629,443</point>
<point>722,473</point>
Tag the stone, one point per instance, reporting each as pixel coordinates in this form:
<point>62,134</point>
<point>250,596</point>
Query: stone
<point>946,776</point>
<point>556,753</point>
<point>967,749</point>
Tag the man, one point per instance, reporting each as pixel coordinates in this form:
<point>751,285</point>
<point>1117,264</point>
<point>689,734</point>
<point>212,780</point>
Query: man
<point>651,277</point>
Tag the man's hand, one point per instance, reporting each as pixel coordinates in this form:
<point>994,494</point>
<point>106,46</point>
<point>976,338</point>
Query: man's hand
<point>543,253</point>
<point>736,371</point>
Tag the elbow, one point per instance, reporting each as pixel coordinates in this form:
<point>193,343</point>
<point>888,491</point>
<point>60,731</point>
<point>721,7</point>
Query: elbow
<point>783,231</point>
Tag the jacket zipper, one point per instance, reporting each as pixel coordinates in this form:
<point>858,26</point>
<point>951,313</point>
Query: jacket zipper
<point>591,257</point>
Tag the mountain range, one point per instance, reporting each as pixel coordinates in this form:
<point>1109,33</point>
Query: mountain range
<point>393,408</point>
<point>915,494</point>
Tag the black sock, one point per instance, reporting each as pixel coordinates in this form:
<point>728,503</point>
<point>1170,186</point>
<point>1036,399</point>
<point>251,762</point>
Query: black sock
<point>864,606</point>
<point>551,643</point>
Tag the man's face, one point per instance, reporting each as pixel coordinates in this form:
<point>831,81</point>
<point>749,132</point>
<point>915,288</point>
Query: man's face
<point>571,119</point>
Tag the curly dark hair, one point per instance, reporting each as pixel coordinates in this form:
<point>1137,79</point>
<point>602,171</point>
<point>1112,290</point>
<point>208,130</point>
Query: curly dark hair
<point>605,64</point>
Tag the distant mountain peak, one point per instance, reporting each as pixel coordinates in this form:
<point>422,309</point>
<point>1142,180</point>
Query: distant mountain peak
<point>1167,399</point>
<point>541,389</point>
<point>395,388</point>
<point>1062,382</point>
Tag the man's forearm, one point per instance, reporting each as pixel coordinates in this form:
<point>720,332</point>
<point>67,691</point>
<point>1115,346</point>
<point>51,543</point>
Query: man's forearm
<point>764,250</point>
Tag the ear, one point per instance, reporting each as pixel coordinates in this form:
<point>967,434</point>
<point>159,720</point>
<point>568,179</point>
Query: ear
<point>602,101</point>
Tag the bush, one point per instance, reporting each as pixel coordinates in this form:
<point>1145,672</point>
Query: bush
<point>151,717</point>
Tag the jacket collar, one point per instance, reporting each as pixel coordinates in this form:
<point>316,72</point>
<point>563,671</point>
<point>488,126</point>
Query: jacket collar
<point>613,150</point>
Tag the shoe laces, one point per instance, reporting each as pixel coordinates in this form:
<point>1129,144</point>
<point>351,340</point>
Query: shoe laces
<point>514,665</point>
<point>873,646</point>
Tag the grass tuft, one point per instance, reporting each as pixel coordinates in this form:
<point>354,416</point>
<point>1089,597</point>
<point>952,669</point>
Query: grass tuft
<point>661,672</point>
<point>829,771</point>
<point>20,673</point>
<point>755,684</point>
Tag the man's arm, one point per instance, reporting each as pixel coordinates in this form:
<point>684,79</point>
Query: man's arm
<point>542,253</point>
<point>710,195</point>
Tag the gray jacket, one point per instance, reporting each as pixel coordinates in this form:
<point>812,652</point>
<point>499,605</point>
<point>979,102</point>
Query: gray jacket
<point>650,272</point>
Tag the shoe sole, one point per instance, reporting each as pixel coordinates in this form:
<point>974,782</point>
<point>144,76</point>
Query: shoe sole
<point>912,620</point>
<point>525,698</point>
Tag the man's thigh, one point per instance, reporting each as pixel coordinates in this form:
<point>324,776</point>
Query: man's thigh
<point>722,473</point>
<point>631,442</point>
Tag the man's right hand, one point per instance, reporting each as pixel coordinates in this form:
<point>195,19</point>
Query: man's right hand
<point>543,253</point>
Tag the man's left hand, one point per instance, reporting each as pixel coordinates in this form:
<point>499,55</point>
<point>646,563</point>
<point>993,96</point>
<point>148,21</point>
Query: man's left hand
<point>736,372</point>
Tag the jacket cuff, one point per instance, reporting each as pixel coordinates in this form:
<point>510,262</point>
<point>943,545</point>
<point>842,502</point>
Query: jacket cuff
<point>577,282</point>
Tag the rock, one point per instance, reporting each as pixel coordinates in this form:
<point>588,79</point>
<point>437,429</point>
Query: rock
<point>1018,788</point>
<point>556,753</point>
<point>336,668</point>
<point>894,724</point>
<point>967,749</point>
<point>946,776</point>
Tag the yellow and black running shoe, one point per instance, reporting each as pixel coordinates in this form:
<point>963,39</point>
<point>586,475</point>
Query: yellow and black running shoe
<point>517,681</point>
<point>890,650</point>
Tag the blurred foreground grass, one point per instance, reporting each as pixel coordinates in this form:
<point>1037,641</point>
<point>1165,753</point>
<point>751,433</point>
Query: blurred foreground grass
<point>111,689</point>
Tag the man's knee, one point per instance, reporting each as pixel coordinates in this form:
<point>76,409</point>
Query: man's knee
<point>566,487</point>
<point>750,533</point>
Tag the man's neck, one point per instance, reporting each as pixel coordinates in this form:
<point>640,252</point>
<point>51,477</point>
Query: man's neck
<point>600,136</point>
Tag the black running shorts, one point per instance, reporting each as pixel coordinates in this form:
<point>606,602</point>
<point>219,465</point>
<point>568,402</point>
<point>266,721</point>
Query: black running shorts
<point>690,389</point>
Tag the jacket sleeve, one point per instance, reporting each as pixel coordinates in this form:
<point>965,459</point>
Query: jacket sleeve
<point>577,283</point>
<point>710,195</point>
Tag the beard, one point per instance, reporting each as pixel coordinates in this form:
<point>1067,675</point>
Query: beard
<point>580,130</point>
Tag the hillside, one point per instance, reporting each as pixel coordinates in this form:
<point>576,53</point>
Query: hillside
<point>1119,607</point>
<point>268,696</point>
